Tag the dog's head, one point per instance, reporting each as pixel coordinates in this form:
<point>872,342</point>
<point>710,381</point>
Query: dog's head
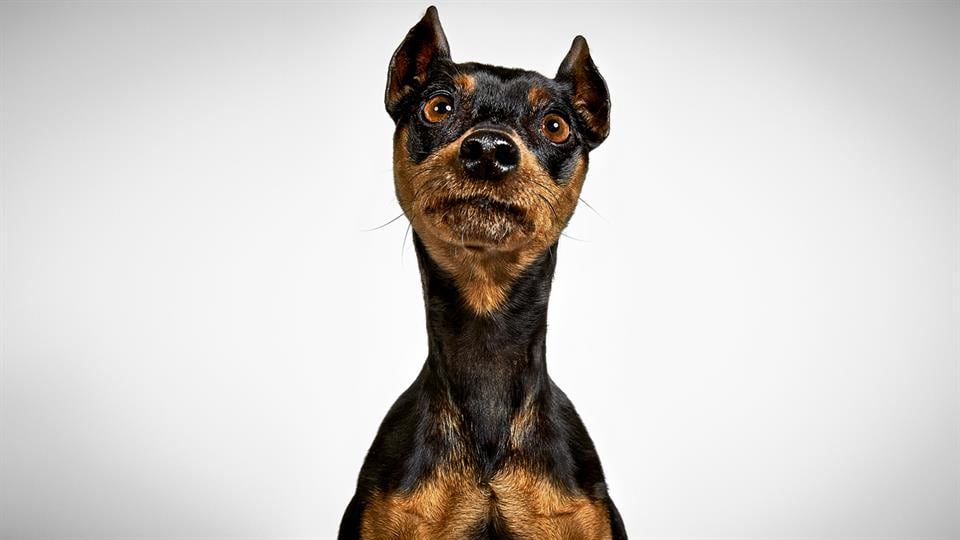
<point>489,161</point>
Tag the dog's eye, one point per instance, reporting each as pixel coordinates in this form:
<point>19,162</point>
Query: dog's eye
<point>437,108</point>
<point>555,128</point>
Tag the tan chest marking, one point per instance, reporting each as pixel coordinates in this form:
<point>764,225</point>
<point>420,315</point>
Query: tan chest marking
<point>535,507</point>
<point>447,505</point>
<point>451,504</point>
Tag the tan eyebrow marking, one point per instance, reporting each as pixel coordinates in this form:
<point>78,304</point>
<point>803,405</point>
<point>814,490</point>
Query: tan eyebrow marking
<point>538,96</point>
<point>465,82</point>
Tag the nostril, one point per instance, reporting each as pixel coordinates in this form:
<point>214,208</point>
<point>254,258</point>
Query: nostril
<point>471,149</point>
<point>506,155</point>
<point>488,155</point>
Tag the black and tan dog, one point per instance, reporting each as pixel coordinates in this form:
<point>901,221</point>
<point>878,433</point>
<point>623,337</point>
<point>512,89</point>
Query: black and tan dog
<point>488,166</point>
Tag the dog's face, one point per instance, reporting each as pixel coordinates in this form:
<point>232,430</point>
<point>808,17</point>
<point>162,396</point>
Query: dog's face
<point>489,161</point>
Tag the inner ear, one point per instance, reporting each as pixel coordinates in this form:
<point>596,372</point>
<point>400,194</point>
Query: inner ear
<point>424,45</point>
<point>590,96</point>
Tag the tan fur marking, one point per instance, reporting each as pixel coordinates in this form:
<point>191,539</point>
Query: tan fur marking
<point>535,507</point>
<point>465,82</point>
<point>537,96</point>
<point>483,276</point>
<point>451,503</point>
<point>447,505</point>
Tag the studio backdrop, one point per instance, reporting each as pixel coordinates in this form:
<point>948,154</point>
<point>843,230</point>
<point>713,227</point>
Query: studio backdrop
<point>757,316</point>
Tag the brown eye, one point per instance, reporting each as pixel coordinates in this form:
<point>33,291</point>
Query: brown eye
<point>437,108</point>
<point>555,128</point>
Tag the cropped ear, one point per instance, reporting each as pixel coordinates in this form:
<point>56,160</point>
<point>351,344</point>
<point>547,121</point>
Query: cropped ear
<point>425,44</point>
<point>589,91</point>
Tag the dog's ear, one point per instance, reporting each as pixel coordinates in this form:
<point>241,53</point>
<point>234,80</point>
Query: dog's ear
<point>424,45</point>
<point>588,91</point>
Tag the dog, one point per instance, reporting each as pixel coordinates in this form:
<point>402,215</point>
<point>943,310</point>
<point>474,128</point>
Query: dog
<point>488,166</point>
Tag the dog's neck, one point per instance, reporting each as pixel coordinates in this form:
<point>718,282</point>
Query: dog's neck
<point>489,367</point>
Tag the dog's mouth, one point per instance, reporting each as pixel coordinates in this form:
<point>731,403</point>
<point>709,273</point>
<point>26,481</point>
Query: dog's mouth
<point>479,222</point>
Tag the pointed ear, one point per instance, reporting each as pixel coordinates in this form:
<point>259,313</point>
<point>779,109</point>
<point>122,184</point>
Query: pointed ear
<point>588,90</point>
<point>424,45</point>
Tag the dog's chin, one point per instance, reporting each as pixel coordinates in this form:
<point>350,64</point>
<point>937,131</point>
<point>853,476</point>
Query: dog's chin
<point>479,224</point>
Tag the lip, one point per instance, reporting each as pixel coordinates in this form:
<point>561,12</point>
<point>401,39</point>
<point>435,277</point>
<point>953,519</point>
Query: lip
<point>478,222</point>
<point>489,204</point>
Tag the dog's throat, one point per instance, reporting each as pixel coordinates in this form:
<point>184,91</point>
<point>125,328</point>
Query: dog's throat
<point>490,366</point>
<point>484,276</point>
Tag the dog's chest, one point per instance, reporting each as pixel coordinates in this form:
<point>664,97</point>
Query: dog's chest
<point>516,502</point>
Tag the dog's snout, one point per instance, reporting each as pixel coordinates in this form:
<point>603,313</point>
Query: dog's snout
<point>488,155</point>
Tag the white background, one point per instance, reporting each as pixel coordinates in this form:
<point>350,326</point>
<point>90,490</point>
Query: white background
<point>760,332</point>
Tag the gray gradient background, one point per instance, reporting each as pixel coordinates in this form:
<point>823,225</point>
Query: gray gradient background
<point>760,329</point>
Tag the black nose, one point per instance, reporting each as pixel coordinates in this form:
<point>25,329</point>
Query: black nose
<point>488,155</point>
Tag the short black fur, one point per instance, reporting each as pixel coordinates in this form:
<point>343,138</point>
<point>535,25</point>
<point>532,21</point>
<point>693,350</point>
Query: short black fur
<point>489,390</point>
<point>490,366</point>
